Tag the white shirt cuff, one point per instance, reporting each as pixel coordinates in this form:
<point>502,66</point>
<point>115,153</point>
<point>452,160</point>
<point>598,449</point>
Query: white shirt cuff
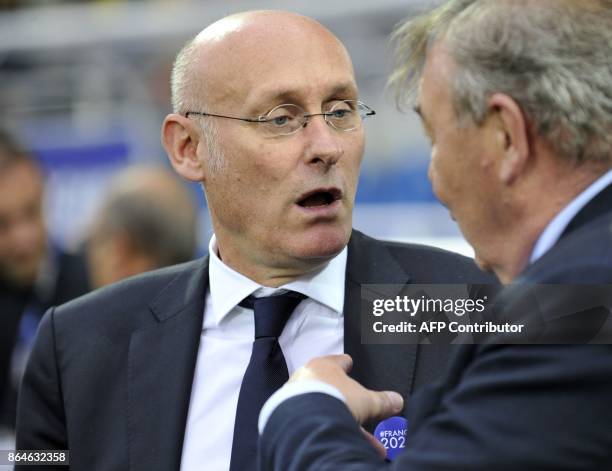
<point>290,390</point>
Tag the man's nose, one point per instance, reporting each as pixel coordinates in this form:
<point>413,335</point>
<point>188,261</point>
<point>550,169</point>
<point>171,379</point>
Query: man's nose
<point>324,143</point>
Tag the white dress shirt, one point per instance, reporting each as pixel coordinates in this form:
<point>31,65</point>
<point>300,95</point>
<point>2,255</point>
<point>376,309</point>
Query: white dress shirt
<point>545,242</point>
<point>557,225</point>
<point>315,328</point>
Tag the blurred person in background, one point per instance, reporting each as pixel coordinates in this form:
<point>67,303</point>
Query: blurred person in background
<point>168,370</point>
<point>516,97</point>
<point>146,221</point>
<point>34,273</point>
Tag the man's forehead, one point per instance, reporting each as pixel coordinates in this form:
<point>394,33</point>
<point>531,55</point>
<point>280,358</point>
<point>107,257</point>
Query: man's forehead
<point>278,72</point>
<point>260,32</point>
<point>435,76</point>
<point>250,56</point>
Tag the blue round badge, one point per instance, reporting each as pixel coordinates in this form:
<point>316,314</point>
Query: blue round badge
<point>392,434</point>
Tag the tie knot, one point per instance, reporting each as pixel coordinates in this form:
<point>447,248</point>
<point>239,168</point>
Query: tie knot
<point>272,312</point>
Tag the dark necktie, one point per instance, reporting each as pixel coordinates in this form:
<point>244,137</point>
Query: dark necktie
<point>266,372</point>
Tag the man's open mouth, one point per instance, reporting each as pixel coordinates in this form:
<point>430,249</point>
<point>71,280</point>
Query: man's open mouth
<point>319,197</point>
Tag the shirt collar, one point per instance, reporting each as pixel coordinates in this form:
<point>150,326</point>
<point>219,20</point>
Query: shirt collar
<point>228,287</point>
<point>557,225</point>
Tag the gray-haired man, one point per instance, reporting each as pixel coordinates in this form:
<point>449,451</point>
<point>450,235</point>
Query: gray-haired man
<point>516,97</point>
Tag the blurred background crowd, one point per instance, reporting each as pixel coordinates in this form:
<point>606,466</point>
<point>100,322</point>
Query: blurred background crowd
<point>86,194</point>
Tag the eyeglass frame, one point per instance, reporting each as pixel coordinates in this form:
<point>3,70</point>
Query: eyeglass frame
<point>305,117</point>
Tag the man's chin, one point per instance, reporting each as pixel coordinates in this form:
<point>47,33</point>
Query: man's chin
<point>322,243</point>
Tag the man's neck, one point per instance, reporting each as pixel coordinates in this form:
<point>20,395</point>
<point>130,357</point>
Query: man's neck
<point>538,208</point>
<point>270,272</point>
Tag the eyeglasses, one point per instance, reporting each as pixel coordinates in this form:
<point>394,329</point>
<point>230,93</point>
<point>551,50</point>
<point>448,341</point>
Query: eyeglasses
<point>283,120</point>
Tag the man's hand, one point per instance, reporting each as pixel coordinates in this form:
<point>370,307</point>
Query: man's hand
<point>363,403</point>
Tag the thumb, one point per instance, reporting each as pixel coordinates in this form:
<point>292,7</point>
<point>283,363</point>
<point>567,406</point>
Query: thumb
<point>385,404</point>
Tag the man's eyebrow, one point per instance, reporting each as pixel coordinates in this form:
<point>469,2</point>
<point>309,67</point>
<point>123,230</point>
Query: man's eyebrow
<point>276,97</point>
<point>343,90</point>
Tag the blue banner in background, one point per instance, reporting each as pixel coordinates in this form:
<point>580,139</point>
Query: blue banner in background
<point>76,179</point>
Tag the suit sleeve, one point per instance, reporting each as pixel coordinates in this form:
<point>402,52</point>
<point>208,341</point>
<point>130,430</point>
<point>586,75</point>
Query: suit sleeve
<point>41,421</point>
<point>315,431</point>
<point>515,407</point>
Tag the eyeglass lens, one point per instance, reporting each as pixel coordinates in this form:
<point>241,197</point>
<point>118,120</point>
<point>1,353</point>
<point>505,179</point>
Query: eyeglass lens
<point>287,119</point>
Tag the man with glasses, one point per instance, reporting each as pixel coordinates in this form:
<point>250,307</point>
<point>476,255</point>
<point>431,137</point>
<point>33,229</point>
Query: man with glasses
<point>169,370</point>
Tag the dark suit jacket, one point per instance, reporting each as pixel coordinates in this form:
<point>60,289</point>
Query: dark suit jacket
<point>110,375</point>
<point>501,407</point>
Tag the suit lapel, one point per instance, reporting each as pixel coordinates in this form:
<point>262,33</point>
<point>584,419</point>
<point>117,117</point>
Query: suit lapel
<point>161,364</point>
<point>375,366</point>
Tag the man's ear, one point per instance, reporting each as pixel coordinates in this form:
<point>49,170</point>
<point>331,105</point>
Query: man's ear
<point>181,140</point>
<point>513,137</point>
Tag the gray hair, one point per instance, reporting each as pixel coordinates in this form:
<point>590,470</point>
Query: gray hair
<point>553,57</point>
<point>184,84</point>
<point>187,95</point>
<point>160,222</point>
